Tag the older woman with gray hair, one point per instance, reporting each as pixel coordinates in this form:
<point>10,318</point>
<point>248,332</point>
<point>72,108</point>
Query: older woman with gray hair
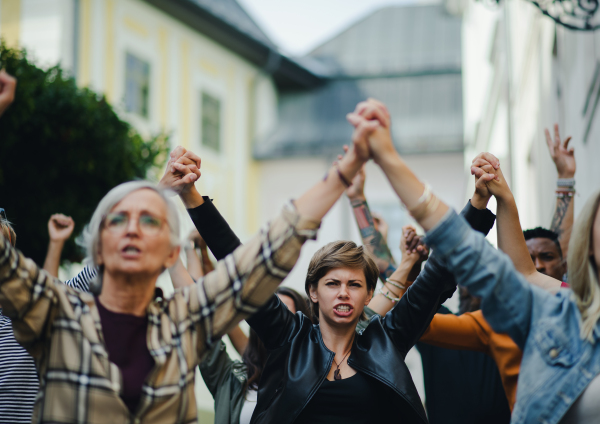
<point>125,355</point>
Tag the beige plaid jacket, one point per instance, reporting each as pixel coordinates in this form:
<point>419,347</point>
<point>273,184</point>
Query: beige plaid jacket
<point>61,329</point>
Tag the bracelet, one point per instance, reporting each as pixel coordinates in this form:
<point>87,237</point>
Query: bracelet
<point>342,178</point>
<point>387,296</point>
<point>396,283</point>
<point>561,194</point>
<point>424,209</point>
<point>565,182</point>
<point>425,196</point>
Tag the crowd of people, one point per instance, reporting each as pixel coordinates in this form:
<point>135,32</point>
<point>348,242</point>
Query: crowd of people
<point>108,347</point>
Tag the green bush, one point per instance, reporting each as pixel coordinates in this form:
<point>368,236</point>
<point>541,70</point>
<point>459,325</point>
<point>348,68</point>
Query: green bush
<point>62,148</point>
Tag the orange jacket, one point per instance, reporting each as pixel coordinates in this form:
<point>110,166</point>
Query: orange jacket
<point>470,331</point>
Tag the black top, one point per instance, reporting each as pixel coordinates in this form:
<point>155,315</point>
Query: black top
<point>462,387</point>
<point>299,361</point>
<point>358,399</point>
<point>125,340</point>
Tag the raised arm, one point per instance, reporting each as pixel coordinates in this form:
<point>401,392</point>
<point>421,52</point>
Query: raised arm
<point>372,238</point>
<point>510,234</point>
<point>247,278</point>
<point>486,272</point>
<point>564,160</point>
<point>60,228</point>
<point>397,282</point>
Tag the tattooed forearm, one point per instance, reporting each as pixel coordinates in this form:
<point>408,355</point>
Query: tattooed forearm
<point>372,239</point>
<point>562,206</point>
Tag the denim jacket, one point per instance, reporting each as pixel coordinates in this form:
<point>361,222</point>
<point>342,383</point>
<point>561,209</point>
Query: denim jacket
<point>557,364</point>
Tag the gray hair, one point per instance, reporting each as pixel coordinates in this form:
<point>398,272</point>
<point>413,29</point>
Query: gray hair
<point>91,233</point>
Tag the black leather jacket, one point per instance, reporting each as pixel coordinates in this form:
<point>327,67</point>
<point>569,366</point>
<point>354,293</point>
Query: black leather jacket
<point>299,361</point>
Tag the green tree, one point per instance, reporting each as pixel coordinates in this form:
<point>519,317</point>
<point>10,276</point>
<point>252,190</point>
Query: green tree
<point>62,148</point>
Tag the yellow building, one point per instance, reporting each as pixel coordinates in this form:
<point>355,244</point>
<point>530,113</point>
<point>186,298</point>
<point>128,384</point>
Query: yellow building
<point>201,70</point>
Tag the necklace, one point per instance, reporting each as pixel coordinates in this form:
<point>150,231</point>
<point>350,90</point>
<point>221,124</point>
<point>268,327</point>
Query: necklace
<point>337,375</point>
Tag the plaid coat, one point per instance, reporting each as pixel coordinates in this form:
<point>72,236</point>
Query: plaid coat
<point>60,327</point>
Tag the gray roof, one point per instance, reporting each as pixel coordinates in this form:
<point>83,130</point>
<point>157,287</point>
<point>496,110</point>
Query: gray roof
<point>407,57</point>
<point>234,14</point>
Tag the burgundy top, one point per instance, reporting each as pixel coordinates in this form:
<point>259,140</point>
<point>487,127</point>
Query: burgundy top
<point>125,339</point>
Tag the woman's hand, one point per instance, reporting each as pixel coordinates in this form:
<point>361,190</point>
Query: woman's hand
<point>181,173</point>
<point>563,157</point>
<point>60,227</point>
<point>380,141</point>
<point>412,247</point>
<point>486,168</point>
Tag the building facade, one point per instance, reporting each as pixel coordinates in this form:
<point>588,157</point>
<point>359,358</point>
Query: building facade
<point>523,73</point>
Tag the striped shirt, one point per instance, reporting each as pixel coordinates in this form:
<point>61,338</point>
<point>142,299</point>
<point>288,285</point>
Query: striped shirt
<point>19,381</point>
<point>60,327</point>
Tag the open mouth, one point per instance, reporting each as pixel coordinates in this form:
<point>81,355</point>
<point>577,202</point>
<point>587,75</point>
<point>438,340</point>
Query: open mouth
<point>343,310</point>
<point>131,250</point>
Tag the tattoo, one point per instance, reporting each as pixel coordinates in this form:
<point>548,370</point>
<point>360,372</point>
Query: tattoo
<point>562,205</point>
<point>372,239</point>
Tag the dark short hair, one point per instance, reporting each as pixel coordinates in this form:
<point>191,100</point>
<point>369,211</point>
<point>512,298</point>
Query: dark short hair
<point>339,254</point>
<point>540,232</point>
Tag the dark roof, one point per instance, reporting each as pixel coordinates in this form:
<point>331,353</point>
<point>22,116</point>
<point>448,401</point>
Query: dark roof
<point>396,40</point>
<point>227,23</point>
<point>234,14</point>
<point>409,57</point>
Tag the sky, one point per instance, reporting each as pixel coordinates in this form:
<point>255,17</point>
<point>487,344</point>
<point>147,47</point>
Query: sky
<point>298,26</point>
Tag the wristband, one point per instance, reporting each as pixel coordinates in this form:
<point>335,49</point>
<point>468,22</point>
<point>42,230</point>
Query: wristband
<point>565,182</point>
<point>387,296</point>
<point>396,283</point>
<point>342,178</point>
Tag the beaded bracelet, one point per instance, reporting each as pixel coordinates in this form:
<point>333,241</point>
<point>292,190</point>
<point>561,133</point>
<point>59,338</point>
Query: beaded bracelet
<point>396,283</point>
<point>565,182</point>
<point>561,194</point>
<point>387,296</point>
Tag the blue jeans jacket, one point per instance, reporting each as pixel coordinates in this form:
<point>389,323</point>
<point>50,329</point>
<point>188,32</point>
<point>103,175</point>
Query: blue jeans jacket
<point>557,364</point>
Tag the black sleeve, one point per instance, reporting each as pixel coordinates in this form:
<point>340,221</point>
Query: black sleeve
<point>407,322</point>
<point>216,232</point>
<point>275,325</point>
<point>479,220</point>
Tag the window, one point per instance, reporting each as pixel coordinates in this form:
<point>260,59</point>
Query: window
<point>211,122</point>
<point>137,85</point>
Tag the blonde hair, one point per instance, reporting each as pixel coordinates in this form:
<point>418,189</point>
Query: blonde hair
<point>583,275</point>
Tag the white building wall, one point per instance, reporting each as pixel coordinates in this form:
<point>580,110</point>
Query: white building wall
<point>539,71</point>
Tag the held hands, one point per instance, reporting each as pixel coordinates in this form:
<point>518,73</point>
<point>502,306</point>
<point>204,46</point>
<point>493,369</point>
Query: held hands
<point>563,157</point>
<point>489,177</point>
<point>8,86</point>
<point>60,227</point>
<point>412,247</point>
<point>182,171</point>
<point>371,121</point>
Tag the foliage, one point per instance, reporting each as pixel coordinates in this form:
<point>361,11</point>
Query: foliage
<point>62,148</point>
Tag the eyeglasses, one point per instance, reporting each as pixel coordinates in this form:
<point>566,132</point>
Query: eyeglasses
<point>118,222</point>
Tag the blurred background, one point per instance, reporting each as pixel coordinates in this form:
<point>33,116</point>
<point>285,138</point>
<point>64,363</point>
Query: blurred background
<point>260,90</point>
